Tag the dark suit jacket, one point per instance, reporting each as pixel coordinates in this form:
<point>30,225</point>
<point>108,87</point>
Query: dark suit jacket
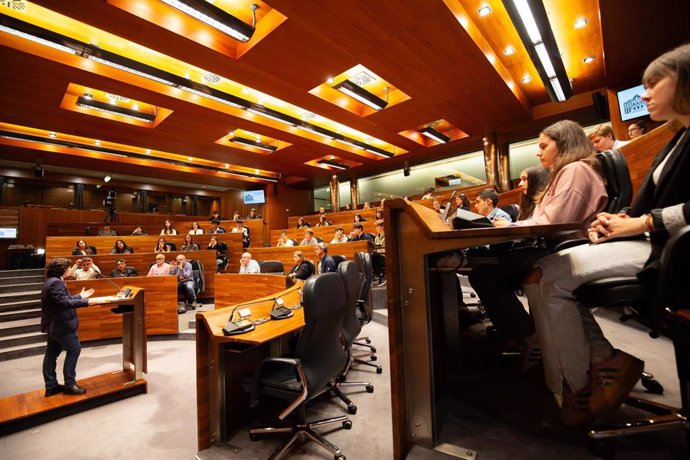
<point>57,308</point>
<point>327,264</point>
<point>672,189</point>
<point>302,271</point>
<point>129,271</point>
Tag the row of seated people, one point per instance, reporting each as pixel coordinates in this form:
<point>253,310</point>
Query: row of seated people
<point>162,246</point>
<point>322,219</point>
<point>169,229</point>
<point>587,376</point>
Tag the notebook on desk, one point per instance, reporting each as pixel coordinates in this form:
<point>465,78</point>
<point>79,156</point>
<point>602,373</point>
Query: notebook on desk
<point>466,219</point>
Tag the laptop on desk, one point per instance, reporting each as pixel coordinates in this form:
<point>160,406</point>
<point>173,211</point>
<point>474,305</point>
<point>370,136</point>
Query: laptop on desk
<point>466,219</point>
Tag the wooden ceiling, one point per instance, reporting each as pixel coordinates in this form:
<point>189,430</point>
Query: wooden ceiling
<point>440,53</point>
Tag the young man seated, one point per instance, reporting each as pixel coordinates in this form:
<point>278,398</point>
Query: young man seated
<point>339,236</point>
<point>486,203</point>
<point>122,270</point>
<point>358,234</point>
<point>86,270</point>
<point>309,238</point>
<point>185,283</point>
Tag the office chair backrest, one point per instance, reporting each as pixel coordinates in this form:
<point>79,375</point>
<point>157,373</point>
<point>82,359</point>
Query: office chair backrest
<point>134,270</point>
<point>319,347</point>
<point>312,268</point>
<point>171,245</point>
<point>512,209</point>
<point>617,177</point>
<point>198,275</point>
<point>246,237</point>
<point>366,312</point>
<point>352,281</point>
<point>338,259</point>
<point>294,242</point>
<point>673,290</point>
<point>93,249</point>
<point>271,266</point>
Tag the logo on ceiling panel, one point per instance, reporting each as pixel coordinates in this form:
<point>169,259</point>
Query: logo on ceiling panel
<point>19,5</point>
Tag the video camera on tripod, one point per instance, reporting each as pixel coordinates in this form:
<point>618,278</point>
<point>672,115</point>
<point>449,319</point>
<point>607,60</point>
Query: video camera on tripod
<point>109,203</point>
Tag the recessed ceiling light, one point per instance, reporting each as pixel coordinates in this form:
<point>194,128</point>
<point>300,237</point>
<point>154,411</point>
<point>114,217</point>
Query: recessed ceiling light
<point>88,96</point>
<point>581,22</point>
<point>135,106</point>
<point>588,59</point>
<point>526,79</point>
<point>97,142</point>
<point>52,134</point>
<point>107,178</point>
<point>148,151</point>
<point>484,10</point>
<point>189,158</point>
<point>227,165</point>
<point>330,80</point>
<point>509,50</point>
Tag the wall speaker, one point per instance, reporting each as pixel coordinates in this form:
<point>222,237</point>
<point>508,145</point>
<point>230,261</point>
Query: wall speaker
<point>39,172</point>
<point>406,169</point>
<point>601,106</point>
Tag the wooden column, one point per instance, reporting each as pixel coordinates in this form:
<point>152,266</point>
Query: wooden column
<point>335,198</point>
<point>504,167</point>
<point>491,158</point>
<point>354,192</point>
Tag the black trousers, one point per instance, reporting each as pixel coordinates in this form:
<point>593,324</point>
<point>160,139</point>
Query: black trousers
<point>378,264</point>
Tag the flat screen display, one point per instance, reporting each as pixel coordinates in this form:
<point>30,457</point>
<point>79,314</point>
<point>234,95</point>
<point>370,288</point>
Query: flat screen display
<point>254,197</point>
<point>8,233</point>
<point>630,103</point>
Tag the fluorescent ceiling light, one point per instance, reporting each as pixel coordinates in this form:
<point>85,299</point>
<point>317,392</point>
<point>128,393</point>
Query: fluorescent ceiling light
<point>114,109</point>
<point>130,70</point>
<point>257,144</point>
<point>431,133</point>
<point>272,114</point>
<point>333,164</point>
<point>360,94</point>
<point>212,97</point>
<point>484,10</point>
<point>35,39</point>
<point>215,17</point>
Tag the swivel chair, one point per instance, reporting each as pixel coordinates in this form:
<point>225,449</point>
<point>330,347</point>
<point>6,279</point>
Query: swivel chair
<point>512,209</point>
<point>664,308</point>
<point>365,309</point>
<point>349,274</point>
<point>338,258</point>
<point>318,359</point>
<point>171,245</point>
<point>274,267</point>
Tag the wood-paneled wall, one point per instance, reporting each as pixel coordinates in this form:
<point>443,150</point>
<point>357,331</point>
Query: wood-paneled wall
<point>640,153</point>
<point>99,322</point>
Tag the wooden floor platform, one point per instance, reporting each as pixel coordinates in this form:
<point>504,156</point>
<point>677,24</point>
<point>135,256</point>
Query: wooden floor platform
<point>26,410</point>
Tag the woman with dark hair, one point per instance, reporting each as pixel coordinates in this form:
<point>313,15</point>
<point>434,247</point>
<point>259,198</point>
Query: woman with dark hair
<point>196,230</point>
<point>82,249</point>
<point>323,221</point>
<point>532,182</point>
<point>379,214</point>
<point>358,218</point>
<point>302,269</point>
<point>301,223</point>
<point>587,375</point>
<point>168,228</point>
<point>161,246</point>
<point>60,322</point>
<point>121,247</point>
<point>189,244</point>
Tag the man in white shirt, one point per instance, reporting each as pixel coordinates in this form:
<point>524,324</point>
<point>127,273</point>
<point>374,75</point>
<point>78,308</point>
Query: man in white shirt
<point>309,239</point>
<point>86,270</point>
<point>604,139</point>
<point>249,265</point>
<point>339,236</point>
<point>160,268</point>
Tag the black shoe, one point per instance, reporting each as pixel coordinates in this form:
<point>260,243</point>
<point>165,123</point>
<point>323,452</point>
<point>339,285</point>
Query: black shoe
<point>53,391</point>
<point>76,390</point>
<point>191,306</point>
<point>181,310</point>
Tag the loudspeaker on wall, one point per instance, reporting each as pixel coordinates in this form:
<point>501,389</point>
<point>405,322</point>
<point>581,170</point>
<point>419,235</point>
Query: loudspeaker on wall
<point>601,106</point>
<point>406,169</point>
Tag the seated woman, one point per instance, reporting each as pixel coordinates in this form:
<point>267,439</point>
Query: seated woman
<point>379,214</point>
<point>221,252</point>
<point>532,182</point>
<point>587,375</point>
<point>301,223</point>
<point>323,222</point>
<point>189,244</point>
<point>358,218</point>
<point>161,246</point>
<point>168,229</point>
<point>575,193</point>
<point>82,249</point>
<point>121,248</point>
<point>302,269</point>
<point>195,230</point>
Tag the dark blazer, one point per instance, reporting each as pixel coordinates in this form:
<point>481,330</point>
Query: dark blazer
<point>672,190</point>
<point>302,271</point>
<point>57,308</point>
<point>363,236</point>
<point>327,264</point>
<point>129,271</point>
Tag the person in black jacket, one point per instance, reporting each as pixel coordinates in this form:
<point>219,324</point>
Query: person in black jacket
<point>122,270</point>
<point>60,322</point>
<point>302,268</point>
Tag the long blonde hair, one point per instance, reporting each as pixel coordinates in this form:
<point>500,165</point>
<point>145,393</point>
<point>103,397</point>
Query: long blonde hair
<point>573,145</point>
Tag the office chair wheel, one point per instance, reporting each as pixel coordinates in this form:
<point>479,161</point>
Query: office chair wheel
<point>351,409</point>
<point>367,340</point>
<point>379,370</point>
<point>651,385</point>
<point>373,349</point>
<point>370,388</point>
<point>347,424</point>
<point>339,457</point>
<point>373,358</point>
<point>340,378</point>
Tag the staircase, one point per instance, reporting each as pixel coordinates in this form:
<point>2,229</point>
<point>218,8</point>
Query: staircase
<point>20,313</point>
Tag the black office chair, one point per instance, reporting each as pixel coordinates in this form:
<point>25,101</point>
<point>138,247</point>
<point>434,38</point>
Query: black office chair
<point>338,259</point>
<point>274,267</point>
<point>618,184</point>
<point>198,276</point>
<point>512,209</point>
<point>294,242</point>
<point>318,359</point>
<point>365,310</point>
<point>657,307</point>
<point>221,255</point>
<point>171,245</point>
<point>93,250</point>
<point>246,238</point>
<point>349,273</point>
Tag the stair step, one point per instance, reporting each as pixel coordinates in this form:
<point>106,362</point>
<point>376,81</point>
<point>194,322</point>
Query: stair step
<point>23,272</point>
<point>24,287</point>
<point>20,326</point>
<point>21,305</point>
<point>22,351</point>
<point>37,279</point>
<point>20,314</point>
<point>21,339</point>
<point>15,297</point>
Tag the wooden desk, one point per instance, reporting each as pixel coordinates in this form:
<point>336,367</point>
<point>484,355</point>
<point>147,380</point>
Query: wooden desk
<point>416,320</point>
<point>224,362</point>
<point>233,288</point>
<point>26,410</point>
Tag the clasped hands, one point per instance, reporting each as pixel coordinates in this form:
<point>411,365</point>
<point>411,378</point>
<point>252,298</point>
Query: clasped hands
<point>608,226</point>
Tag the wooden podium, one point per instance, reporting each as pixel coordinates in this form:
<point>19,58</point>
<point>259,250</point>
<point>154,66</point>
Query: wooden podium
<point>422,313</point>
<point>26,410</point>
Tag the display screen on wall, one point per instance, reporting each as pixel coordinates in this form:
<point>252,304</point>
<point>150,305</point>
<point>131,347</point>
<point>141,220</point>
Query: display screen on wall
<point>630,103</point>
<point>8,233</point>
<point>253,197</point>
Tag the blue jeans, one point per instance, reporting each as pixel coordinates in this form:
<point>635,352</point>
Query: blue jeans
<point>57,343</point>
<point>186,288</point>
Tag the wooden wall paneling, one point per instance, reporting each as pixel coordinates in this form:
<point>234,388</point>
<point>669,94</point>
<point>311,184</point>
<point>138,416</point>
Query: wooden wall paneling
<point>97,323</point>
<point>234,288</point>
<point>640,153</point>
<point>283,201</point>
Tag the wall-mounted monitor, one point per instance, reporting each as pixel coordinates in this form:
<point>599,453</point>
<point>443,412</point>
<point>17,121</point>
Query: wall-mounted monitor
<point>8,233</point>
<point>630,103</point>
<point>253,197</point>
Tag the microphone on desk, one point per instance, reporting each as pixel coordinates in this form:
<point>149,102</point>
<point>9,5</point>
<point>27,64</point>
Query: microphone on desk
<point>242,325</point>
<point>280,311</point>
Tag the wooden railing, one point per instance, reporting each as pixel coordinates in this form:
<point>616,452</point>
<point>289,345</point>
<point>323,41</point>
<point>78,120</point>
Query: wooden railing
<point>234,288</point>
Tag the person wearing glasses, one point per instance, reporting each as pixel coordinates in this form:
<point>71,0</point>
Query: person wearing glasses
<point>249,265</point>
<point>637,129</point>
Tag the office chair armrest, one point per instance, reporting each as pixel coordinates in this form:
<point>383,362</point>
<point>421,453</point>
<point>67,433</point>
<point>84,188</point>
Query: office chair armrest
<point>302,377</point>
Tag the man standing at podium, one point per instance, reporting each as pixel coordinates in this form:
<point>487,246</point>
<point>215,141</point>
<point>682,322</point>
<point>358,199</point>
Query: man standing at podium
<point>59,320</point>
